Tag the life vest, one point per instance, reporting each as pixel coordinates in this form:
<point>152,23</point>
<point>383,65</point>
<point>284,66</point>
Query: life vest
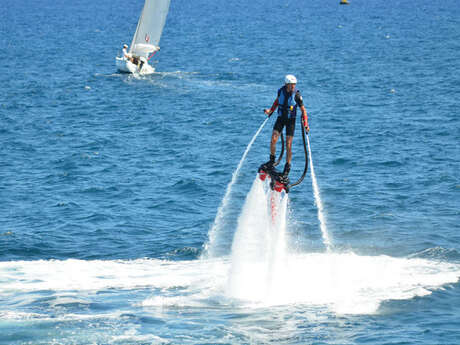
<point>287,104</point>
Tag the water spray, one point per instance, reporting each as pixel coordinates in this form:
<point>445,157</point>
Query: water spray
<point>319,205</point>
<point>211,247</point>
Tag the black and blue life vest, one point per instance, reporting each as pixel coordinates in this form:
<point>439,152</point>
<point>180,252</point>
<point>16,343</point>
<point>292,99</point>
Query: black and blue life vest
<point>287,105</point>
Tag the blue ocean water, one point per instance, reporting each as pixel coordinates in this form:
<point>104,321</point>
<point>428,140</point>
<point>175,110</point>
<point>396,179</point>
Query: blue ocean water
<point>110,183</point>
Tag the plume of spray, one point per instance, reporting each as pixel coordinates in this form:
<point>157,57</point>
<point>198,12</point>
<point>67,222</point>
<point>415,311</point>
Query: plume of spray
<point>213,245</point>
<point>263,273</point>
<point>327,240</point>
<point>259,246</point>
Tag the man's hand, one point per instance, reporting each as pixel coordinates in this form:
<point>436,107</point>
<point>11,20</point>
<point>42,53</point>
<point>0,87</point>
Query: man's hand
<point>267,112</point>
<point>305,122</point>
<point>305,119</point>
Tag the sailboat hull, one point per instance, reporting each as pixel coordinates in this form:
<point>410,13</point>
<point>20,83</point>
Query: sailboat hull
<point>126,66</point>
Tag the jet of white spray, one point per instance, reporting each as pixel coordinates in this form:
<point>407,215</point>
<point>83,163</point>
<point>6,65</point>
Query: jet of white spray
<point>211,248</point>
<point>277,253</point>
<point>258,254</point>
<point>319,205</point>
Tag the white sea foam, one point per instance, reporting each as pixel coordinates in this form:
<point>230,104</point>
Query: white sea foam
<point>97,275</point>
<point>133,336</point>
<point>343,282</point>
<point>348,283</point>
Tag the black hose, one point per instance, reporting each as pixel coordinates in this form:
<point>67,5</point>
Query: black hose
<point>306,158</point>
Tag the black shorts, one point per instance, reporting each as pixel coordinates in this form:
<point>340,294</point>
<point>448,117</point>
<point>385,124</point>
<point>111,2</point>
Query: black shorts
<point>283,121</point>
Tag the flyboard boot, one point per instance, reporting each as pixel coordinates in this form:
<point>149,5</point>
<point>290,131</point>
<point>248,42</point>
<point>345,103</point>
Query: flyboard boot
<point>278,181</point>
<point>266,168</point>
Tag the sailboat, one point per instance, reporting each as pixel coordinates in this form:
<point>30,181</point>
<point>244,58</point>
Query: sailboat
<point>146,39</point>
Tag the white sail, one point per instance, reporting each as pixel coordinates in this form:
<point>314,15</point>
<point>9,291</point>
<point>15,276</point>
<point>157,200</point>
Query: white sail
<point>149,28</point>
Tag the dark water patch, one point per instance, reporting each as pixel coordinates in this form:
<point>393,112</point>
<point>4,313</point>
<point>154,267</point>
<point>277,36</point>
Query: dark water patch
<point>344,162</point>
<point>186,253</point>
<point>189,185</point>
<point>438,253</point>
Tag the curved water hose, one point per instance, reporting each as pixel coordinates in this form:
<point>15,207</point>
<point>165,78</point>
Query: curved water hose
<point>306,158</point>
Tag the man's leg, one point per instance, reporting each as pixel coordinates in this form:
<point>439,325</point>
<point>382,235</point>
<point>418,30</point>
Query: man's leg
<point>290,129</point>
<point>275,136</point>
<point>271,162</point>
<point>289,148</point>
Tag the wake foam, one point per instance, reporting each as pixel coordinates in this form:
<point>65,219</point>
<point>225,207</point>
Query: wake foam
<point>352,284</point>
<point>344,283</point>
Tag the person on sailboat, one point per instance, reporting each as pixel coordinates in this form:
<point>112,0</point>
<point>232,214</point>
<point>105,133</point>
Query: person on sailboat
<point>126,55</point>
<point>136,60</point>
<point>287,102</point>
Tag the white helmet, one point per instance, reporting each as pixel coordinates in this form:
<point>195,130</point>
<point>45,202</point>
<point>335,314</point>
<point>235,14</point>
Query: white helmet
<point>290,79</point>
<point>125,46</point>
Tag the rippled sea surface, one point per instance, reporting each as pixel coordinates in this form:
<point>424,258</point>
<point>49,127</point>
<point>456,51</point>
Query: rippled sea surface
<point>111,184</point>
